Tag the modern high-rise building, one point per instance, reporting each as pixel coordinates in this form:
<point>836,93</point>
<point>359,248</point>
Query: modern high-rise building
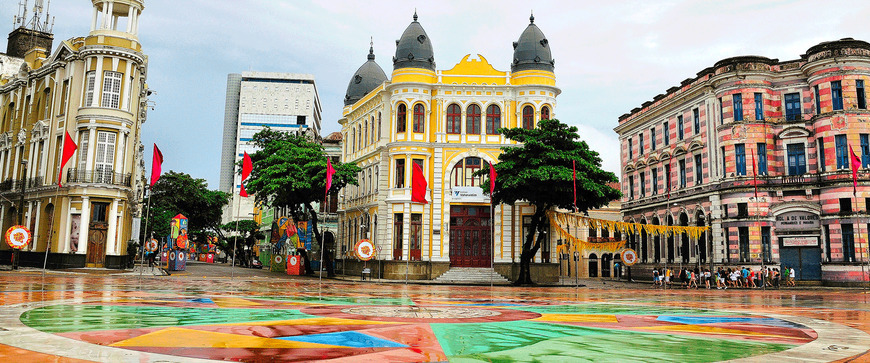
<point>92,87</point>
<point>256,100</point>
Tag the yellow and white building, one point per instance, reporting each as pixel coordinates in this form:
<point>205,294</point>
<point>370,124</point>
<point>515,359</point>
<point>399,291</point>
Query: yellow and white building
<point>446,121</point>
<point>94,88</point>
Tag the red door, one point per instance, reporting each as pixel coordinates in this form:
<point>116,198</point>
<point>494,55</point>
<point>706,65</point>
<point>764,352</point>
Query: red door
<point>470,237</point>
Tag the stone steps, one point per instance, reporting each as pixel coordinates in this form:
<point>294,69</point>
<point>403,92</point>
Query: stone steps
<point>472,275</point>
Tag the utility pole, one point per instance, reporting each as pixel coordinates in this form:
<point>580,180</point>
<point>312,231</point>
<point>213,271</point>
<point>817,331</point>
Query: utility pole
<point>16,251</point>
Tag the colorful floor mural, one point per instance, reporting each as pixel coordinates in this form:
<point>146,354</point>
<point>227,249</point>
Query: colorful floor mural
<point>391,324</point>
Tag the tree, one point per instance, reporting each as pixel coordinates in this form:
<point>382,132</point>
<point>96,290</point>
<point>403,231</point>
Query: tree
<point>540,172</point>
<point>290,171</point>
<point>179,193</point>
<point>249,233</point>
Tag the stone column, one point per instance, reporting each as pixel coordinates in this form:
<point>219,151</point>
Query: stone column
<point>94,19</point>
<point>83,228</point>
<point>67,229</point>
<point>111,241</point>
<point>92,147</point>
<point>35,231</point>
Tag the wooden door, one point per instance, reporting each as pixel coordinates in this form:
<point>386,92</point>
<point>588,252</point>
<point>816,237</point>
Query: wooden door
<point>470,236</point>
<point>97,244</point>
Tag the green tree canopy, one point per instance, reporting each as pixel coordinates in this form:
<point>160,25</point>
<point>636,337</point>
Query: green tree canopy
<point>179,193</point>
<point>290,171</point>
<point>539,172</point>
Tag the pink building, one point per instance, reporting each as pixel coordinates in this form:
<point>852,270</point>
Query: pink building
<point>757,149</point>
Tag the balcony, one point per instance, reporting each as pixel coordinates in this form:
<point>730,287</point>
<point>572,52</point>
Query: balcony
<point>14,185</point>
<point>106,177</point>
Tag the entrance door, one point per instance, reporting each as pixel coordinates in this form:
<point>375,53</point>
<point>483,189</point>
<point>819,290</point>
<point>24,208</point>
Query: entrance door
<point>807,261</point>
<point>470,237</point>
<point>97,244</point>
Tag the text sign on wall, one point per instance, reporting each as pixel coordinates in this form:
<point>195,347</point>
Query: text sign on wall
<point>800,242</point>
<point>468,194</point>
<point>797,220</point>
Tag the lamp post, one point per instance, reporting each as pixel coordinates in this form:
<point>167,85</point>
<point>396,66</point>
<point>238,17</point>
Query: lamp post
<point>15,252</point>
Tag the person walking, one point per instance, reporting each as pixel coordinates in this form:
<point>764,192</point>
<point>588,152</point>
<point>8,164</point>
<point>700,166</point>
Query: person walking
<point>791,275</point>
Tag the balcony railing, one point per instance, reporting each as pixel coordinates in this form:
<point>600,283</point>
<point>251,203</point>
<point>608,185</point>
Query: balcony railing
<point>15,184</point>
<point>98,177</point>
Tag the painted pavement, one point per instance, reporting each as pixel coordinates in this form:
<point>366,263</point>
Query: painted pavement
<point>105,319</point>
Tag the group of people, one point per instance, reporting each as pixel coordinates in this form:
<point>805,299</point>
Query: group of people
<point>723,278</point>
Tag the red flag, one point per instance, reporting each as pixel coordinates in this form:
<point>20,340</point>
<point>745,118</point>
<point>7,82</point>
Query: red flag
<point>856,164</point>
<point>418,185</point>
<point>492,176</point>
<point>156,163</point>
<point>329,172</point>
<point>69,148</point>
<point>247,167</point>
<point>755,178</point>
<point>574,169</point>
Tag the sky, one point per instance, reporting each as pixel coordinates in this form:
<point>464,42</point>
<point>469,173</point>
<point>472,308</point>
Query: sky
<point>611,56</point>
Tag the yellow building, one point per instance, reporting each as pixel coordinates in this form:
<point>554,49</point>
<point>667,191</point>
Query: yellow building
<point>94,88</point>
<point>446,121</point>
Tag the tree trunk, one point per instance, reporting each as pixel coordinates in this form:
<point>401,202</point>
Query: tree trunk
<point>532,245</point>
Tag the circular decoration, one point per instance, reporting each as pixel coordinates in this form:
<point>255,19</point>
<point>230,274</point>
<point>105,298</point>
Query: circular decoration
<point>17,237</point>
<point>172,255</point>
<point>364,250</point>
<point>292,260</point>
<point>278,259</point>
<point>151,245</point>
<point>181,241</point>
<point>629,257</point>
<point>180,256</point>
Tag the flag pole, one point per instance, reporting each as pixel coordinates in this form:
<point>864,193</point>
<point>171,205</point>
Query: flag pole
<point>233,265</point>
<point>51,223</point>
<point>145,235</point>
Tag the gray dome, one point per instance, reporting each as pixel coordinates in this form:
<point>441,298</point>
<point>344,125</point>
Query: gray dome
<point>532,50</point>
<point>414,50</point>
<point>368,77</point>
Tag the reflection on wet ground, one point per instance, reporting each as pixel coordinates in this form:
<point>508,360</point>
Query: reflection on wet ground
<point>106,318</point>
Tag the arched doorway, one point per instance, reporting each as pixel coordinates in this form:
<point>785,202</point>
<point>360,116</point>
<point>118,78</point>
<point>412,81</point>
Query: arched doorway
<point>643,242</point>
<point>702,241</point>
<point>657,243</point>
<point>684,239</point>
<point>606,260</point>
<point>470,242</point>
<point>593,265</point>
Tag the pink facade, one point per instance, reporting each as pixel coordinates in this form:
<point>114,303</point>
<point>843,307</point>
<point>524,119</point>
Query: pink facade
<point>757,149</point>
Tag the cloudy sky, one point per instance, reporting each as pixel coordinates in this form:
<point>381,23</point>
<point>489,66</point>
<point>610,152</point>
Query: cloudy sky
<point>611,56</point>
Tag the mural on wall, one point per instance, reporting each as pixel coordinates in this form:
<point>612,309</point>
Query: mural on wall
<point>75,225</point>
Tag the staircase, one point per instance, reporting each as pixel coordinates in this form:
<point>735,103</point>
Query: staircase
<point>471,276</point>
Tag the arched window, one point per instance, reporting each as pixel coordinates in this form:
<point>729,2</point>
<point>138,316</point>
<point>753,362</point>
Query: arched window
<point>373,130</point>
<point>453,119</point>
<point>365,133</point>
<point>379,125</point>
<point>463,173</point>
<point>472,119</point>
<point>528,118</point>
<point>401,119</point>
<point>353,143</point>
<point>545,113</point>
<point>418,118</point>
<point>493,119</point>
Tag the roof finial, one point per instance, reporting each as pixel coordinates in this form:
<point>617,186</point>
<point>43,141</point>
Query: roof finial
<point>371,48</point>
<point>415,14</point>
<point>532,18</point>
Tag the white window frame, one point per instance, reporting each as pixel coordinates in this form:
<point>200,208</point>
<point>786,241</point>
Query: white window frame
<point>112,89</point>
<point>91,78</point>
<point>104,156</point>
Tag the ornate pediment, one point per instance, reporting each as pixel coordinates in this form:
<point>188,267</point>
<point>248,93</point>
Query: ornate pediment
<point>5,140</point>
<point>39,131</point>
<point>793,132</point>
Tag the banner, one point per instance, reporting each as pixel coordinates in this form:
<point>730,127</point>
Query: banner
<point>576,220</point>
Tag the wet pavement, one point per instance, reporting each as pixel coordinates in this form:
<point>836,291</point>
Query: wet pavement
<point>257,316</point>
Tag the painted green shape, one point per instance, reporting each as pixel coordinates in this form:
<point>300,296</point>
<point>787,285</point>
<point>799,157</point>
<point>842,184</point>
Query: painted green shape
<point>475,338</point>
<point>626,346</point>
<point>617,309</point>
<point>68,318</point>
<point>340,300</point>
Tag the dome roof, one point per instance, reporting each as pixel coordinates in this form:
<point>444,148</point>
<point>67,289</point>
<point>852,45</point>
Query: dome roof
<point>414,50</point>
<point>532,50</point>
<point>368,77</point>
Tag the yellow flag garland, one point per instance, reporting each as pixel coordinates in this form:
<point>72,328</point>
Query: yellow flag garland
<point>558,219</point>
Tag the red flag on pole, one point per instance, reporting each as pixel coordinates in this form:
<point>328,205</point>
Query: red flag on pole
<point>574,170</point>
<point>329,172</point>
<point>247,167</point>
<point>156,163</point>
<point>856,164</point>
<point>418,185</point>
<point>492,175</point>
<point>755,178</point>
<point>69,148</point>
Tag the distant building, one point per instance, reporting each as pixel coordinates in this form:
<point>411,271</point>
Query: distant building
<point>92,87</point>
<point>446,122</point>
<point>281,101</point>
<point>691,155</point>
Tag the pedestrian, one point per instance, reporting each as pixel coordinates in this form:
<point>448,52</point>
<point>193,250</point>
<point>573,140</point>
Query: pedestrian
<point>655,277</point>
<point>791,275</point>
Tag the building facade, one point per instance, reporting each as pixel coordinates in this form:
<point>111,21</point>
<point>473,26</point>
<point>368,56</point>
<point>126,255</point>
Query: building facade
<point>255,100</point>
<point>446,122</point>
<point>92,87</point>
<point>757,149</point>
